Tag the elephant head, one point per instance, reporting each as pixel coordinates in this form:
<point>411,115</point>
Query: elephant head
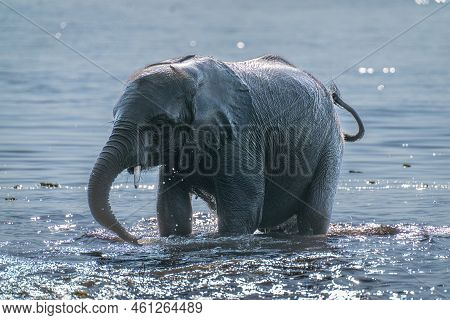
<point>188,92</point>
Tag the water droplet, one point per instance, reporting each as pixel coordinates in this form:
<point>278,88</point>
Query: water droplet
<point>193,43</point>
<point>392,70</point>
<point>370,70</point>
<point>380,87</point>
<point>240,45</point>
<point>385,70</point>
<point>63,24</point>
<point>362,70</point>
<point>58,35</point>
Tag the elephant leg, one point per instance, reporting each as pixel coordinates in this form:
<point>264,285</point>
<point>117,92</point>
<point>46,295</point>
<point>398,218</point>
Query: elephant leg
<point>314,216</point>
<point>239,200</point>
<point>288,227</point>
<point>174,209</point>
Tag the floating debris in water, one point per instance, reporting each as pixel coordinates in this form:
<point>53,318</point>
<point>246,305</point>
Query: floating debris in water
<point>80,294</point>
<point>49,184</point>
<point>354,171</point>
<point>406,165</point>
<point>10,199</point>
<point>18,186</point>
<point>88,283</point>
<point>371,182</point>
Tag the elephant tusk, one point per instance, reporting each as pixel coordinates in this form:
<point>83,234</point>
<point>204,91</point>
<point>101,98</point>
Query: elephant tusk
<point>137,176</point>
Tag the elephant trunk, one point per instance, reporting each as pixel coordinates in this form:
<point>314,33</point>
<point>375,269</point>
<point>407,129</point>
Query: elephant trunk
<point>110,163</point>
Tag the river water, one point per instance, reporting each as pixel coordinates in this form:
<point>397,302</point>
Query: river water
<point>390,234</point>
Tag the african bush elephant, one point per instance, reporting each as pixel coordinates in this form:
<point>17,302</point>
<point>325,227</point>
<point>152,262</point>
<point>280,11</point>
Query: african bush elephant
<point>258,140</point>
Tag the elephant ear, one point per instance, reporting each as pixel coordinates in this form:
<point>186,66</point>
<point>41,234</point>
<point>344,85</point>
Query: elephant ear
<point>219,97</point>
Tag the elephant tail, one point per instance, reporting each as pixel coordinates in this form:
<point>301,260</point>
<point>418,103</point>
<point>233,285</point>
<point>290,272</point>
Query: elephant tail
<point>338,101</point>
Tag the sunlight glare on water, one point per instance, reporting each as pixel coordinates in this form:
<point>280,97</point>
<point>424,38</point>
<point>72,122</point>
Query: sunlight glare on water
<point>390,234</point>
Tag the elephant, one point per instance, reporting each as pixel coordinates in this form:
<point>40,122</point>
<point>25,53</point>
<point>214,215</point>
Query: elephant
<point>258,140</point>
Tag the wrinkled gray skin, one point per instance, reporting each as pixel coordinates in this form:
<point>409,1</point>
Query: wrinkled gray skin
<point>264,92</point>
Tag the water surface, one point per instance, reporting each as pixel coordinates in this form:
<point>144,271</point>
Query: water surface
<point>390,233</point>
